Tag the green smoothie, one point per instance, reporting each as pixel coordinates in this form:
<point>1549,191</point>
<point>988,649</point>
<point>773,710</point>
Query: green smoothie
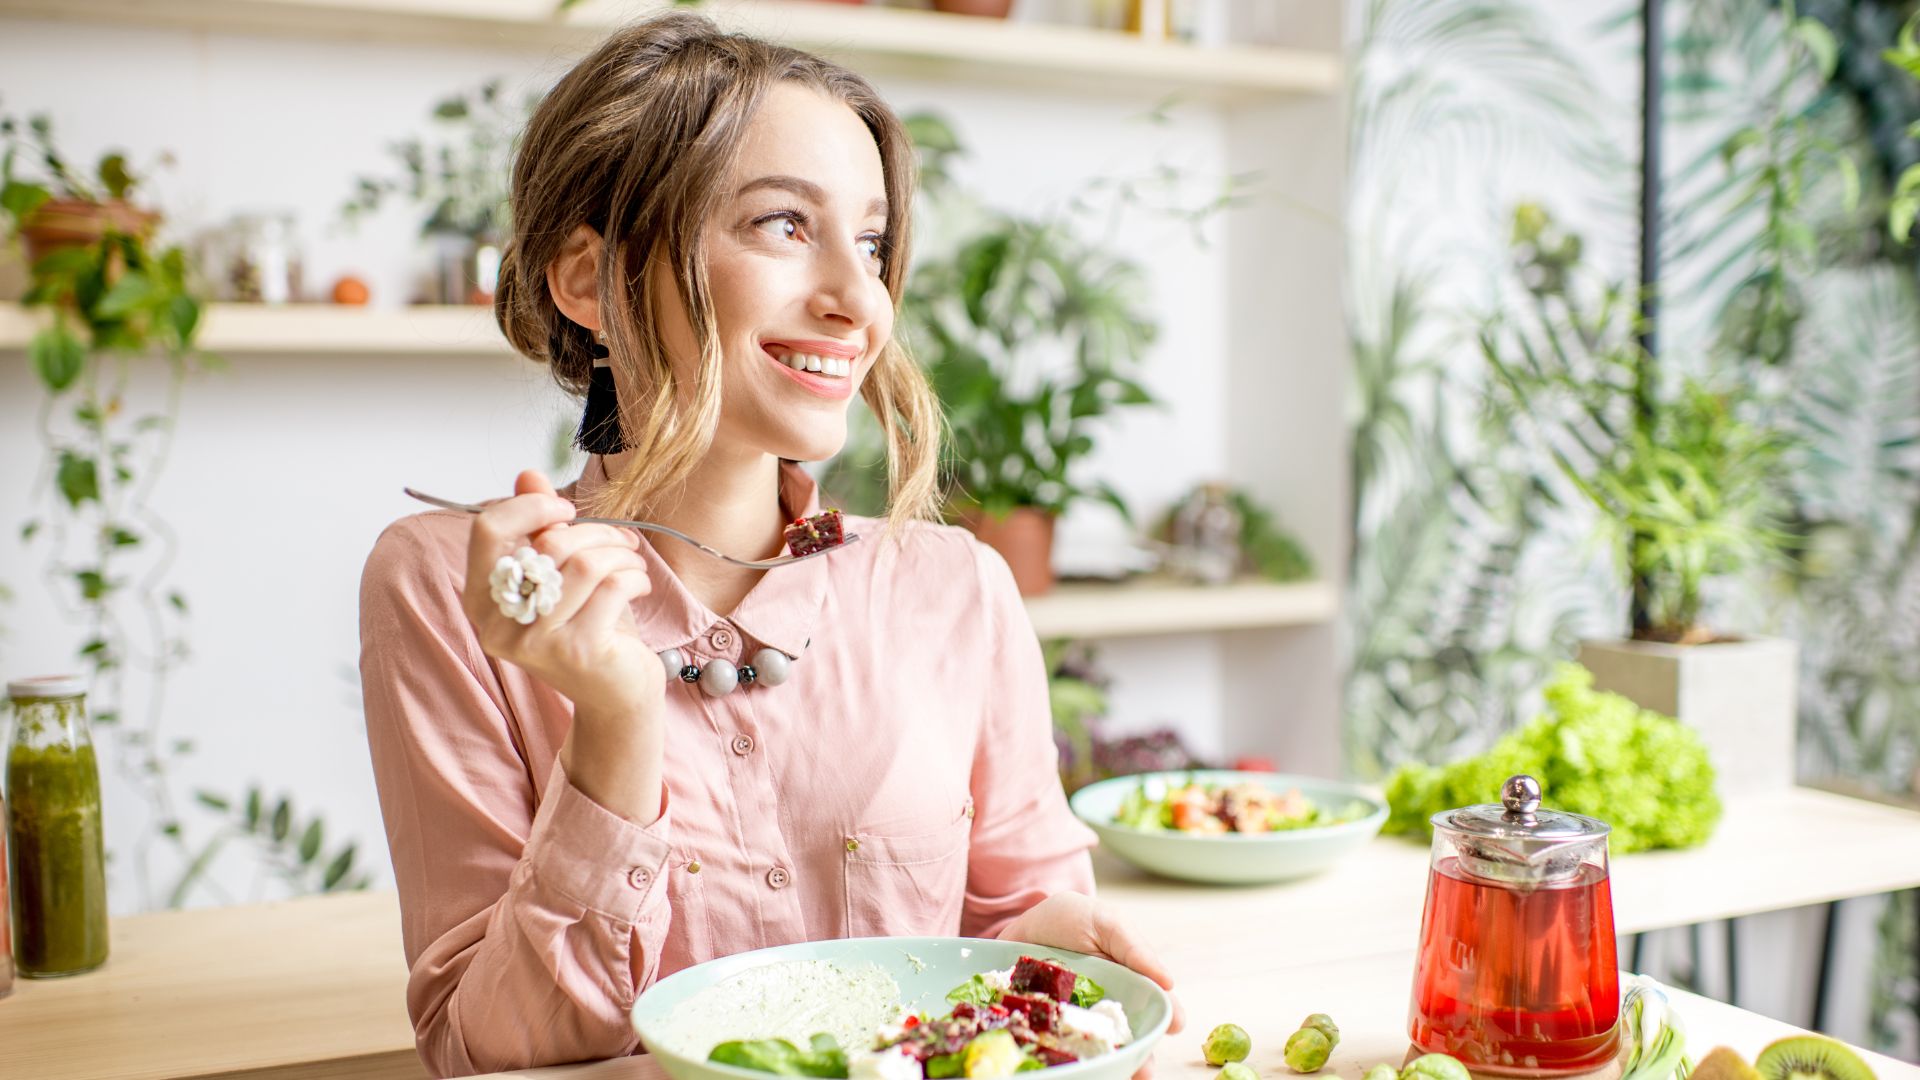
<point>56,853</point>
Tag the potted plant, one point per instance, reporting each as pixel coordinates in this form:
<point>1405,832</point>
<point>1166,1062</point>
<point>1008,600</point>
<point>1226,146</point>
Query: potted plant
<point>459,175</point>
<point>1031,336</point>
<point>1684,478</point>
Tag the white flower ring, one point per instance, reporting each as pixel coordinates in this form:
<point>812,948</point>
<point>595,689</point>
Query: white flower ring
<point>526,585</point>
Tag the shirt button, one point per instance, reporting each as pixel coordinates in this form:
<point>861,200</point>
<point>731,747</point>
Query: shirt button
<point>743,745</point>
<point>777,877</point>
<point>639,876</point>
<point>721,638</point>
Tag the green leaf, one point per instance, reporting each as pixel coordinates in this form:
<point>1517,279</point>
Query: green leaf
<point>975,991</point>
<point>178,602</point>
<point>93,584</point>
<point>97,645</point>
<point>282,821</point>
<point>77,478</point>
<point>114,176</point>
<point>58,356</point>
<point>19,199</point>
<point>28,530</point>
<point>212,801</point>
<point>171,828</point>
<point>1819,41</point>
<point>120,537</point>
<point>337,869</point>
<point>1086,992</point>
<point>132,292</point>
<point>106,717</point>
<point>183,312</point>
<point>253,809</point>
<point>310,842</point>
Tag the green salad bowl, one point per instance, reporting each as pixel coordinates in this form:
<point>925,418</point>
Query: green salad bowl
<point>1235,858</point>
<point>925,968</point>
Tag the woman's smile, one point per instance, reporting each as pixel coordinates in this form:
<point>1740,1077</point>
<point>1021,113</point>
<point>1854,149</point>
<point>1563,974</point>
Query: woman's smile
<point>825,368</point>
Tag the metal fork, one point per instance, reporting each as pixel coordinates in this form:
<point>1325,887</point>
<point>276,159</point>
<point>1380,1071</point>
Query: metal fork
<point>648,526</point>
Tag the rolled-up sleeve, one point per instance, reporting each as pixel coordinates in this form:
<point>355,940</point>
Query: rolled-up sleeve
<point>528,929</point>
<point>1026,844</point>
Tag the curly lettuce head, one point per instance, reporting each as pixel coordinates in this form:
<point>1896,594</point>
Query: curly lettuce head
<point>1594,753</point>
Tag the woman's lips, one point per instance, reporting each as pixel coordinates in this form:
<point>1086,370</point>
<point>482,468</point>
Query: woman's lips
<point>831,387</point>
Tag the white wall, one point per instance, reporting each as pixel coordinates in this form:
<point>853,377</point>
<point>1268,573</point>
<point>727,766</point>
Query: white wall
<point>286,469</point>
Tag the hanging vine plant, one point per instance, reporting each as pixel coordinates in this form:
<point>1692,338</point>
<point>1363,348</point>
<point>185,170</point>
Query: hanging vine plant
<point>115,301</point>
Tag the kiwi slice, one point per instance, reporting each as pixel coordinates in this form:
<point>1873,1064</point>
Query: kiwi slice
<point>1724,1064</point>
<point>1810,1057</point>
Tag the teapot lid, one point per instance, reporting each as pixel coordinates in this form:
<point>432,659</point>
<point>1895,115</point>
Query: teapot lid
<point>1517,833</point>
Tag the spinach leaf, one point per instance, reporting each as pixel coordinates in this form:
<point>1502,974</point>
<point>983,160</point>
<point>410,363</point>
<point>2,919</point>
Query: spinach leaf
<point>1086,992</point>
<point>977,991</point>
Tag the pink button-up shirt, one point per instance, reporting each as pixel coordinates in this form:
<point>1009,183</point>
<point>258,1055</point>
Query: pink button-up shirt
<point>902,781</point>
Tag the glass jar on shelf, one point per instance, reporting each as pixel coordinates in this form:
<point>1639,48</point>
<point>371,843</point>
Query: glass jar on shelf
<point>55,847</point>
<point>263,258</point>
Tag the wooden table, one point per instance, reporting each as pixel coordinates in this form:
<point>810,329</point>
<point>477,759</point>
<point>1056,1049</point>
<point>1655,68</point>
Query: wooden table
<point>316,987</point>
<point>1366,997</point>
<point>294,990</point>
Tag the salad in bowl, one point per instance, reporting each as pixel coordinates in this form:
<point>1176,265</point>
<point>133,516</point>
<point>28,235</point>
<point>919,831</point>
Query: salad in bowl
<point>902,1009</point>
<point>1221,826</point>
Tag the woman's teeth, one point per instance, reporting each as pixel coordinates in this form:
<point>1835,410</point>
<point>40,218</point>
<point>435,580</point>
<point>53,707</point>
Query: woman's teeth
<point>832,366</point>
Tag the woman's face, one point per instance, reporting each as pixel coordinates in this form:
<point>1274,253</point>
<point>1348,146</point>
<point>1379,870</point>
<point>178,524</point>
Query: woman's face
<point>793,261</point>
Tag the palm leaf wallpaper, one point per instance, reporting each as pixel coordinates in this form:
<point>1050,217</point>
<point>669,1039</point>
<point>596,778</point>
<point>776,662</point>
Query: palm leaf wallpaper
<point>1475,566</point>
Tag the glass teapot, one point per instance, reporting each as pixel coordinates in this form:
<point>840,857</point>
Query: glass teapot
<point>1516,974</point>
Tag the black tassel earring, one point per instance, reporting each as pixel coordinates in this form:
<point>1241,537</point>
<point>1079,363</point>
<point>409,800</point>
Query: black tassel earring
<point>600,425</point>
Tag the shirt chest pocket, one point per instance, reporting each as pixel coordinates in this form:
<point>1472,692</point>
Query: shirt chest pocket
<point>911,885</point>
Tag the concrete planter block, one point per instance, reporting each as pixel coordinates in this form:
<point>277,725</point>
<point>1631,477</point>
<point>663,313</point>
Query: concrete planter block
<point>1742,696</point>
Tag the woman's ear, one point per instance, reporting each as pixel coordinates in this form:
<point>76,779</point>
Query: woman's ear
<point>573,278</point>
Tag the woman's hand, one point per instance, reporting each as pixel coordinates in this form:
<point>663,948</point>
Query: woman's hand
<point>1082,924</point>
<point>587,647</point>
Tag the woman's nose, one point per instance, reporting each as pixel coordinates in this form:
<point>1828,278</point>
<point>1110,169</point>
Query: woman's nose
<point>846,286</point>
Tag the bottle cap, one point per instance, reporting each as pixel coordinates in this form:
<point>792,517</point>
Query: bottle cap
<point>47,686</point>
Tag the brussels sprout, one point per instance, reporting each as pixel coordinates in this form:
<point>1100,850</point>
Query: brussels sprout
<point>1234,1070</point>
<point>1435,1067</point>
<point>1382,1072</point>
<point>1307,1050</point>
<point>1324,1024</point>
<point>1228,1042</point>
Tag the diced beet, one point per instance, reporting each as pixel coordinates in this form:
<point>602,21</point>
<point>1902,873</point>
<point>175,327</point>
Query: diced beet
<point>965,1011</point>
<point>1041,1013</point>
<point>822,530</point>
<point>1032,976</point>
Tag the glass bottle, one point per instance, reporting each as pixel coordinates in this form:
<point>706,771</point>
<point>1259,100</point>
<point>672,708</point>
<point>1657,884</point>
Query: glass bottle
<point>57,857</point>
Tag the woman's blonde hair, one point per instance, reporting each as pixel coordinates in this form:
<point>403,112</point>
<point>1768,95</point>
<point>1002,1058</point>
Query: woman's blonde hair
<point>637,142</point>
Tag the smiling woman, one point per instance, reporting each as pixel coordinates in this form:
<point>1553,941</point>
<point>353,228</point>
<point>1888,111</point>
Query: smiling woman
<point>664,758</point>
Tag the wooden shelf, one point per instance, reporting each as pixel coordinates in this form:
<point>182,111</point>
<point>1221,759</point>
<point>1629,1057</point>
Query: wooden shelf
<point>1140,608</point>
<point>320,330</point>
<point>879,39</point>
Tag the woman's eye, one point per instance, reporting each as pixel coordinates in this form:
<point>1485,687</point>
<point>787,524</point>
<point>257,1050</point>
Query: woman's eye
<point>871,246</point>
<point>781,225</point>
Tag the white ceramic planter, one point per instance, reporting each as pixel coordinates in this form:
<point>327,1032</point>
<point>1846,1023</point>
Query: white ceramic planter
<point>1742,696</point>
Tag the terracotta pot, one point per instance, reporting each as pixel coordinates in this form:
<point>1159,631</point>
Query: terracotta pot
<point>65,223</point>
<point>1025,539</point>
<point>992,9</point>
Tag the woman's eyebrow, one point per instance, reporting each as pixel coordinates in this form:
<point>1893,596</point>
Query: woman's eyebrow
<point>806,189</point>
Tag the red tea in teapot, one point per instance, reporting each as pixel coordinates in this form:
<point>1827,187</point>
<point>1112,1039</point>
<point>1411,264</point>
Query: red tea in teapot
<point>1517,979</point>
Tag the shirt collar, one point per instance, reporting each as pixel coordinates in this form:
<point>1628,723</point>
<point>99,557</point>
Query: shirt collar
<point>779,611</point>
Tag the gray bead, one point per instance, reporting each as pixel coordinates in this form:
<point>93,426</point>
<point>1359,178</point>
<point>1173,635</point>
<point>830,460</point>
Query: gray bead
<point>673,661</point>
<point>719,678</point>
<point>771,667</point>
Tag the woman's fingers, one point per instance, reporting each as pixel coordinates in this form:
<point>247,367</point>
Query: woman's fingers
<point>502,528</point>
<point>612,600</point>
<point>563,542</point>
<point>580,576</point>
<point>1114,939</point>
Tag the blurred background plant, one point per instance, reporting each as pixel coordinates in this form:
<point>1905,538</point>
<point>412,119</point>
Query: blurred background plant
<point>1077,690</point>
<point>121,307</point>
